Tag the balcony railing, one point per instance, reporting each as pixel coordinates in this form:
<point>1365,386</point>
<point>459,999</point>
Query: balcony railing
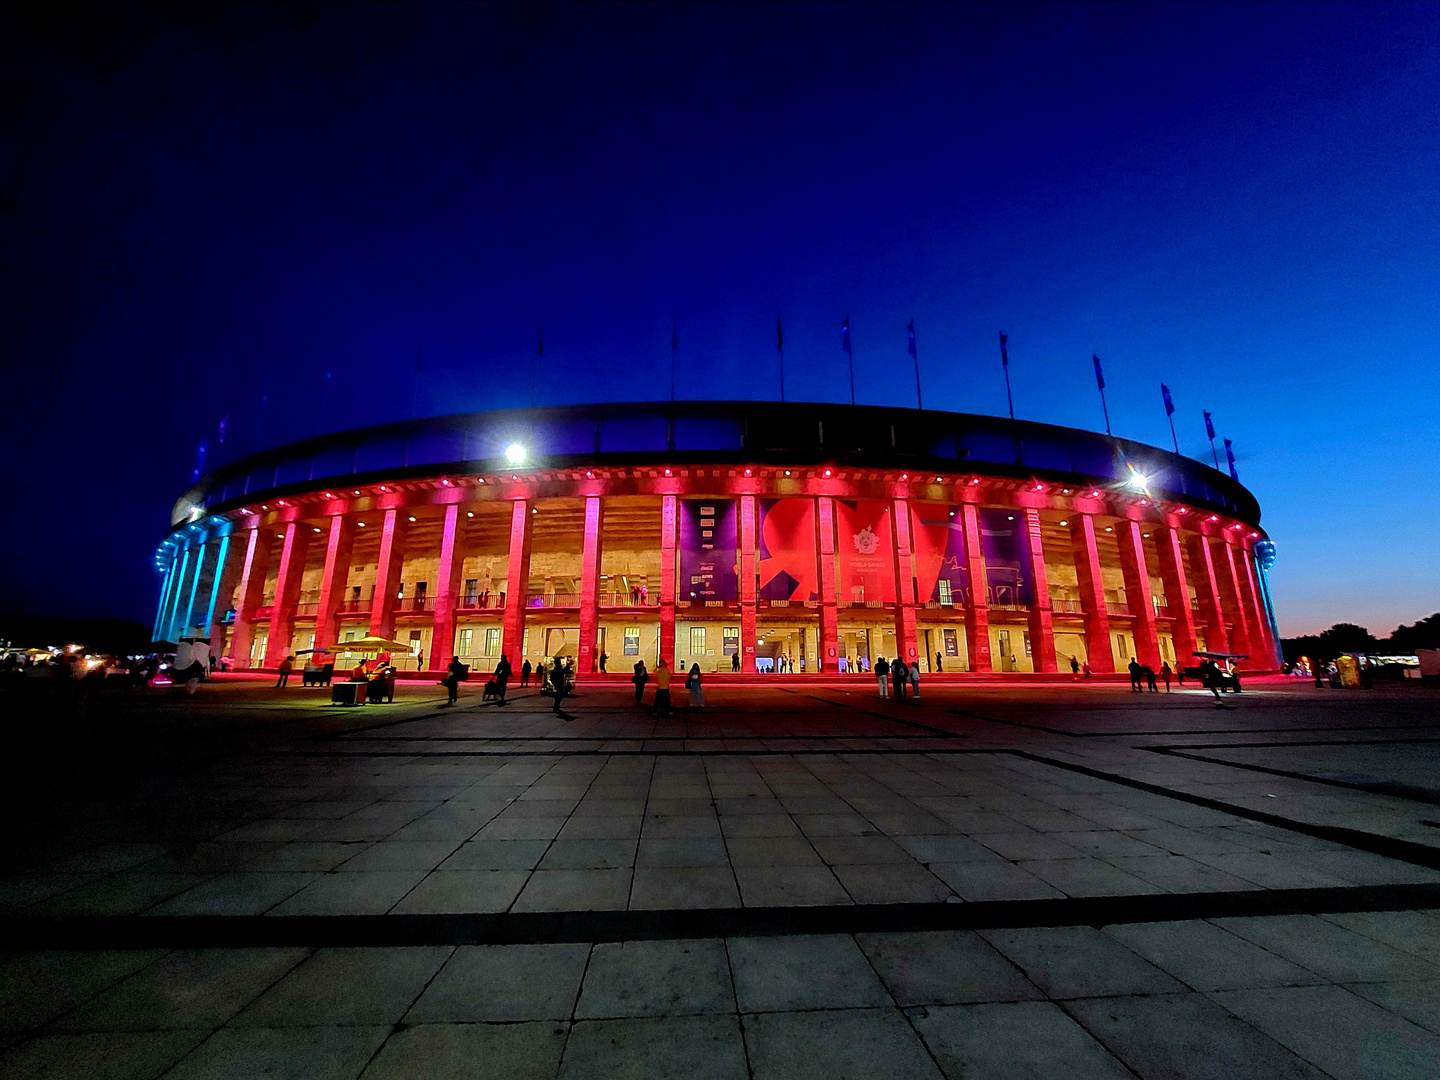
<point>1117,609</point>
<point>481,602</point>
<point>552,600</point>
<point>1067,607</point>
<point>763,604</point>
<point>629,598</point>
<point>412,605</point>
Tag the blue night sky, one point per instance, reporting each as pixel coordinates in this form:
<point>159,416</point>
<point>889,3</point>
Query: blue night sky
<point>204,203</point>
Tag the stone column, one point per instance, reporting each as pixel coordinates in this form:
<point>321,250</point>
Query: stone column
<point>1217,638</point>
<point>748,571</point>
<point>590,586</point>
<point>829,643</point>
<point>1092,593</point>
<point>258,546</point>
<point>1177,593</point>
<point>187,623</point>
<point>517,582</point>
<point>387,573</point>
<point>336,573</point>
<point>1244,641</point>
<point>179,591</point>
<point>447,588</point>
<point>907,639</point>
<point>1141,600</point>
<point>977,611</point>
<point>287,591</point>
<point>166,584</point>
<point>1260,634</point>
<point>228,565</point>
<point>668,527</point>
<point>1042,615</point>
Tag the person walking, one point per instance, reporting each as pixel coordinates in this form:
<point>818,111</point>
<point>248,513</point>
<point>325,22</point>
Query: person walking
<point>882,676</point>
<point>454,673</point>
<point>1150,679</point>
<point>557,683</point>
<point>697,692</point>
<point>604,657</point>
<point>502,677</point>
<point>939,666</point>
<point>899,675</point>
<point>286,666</point>
<point>525,670</point>
<point>1085,669</point>
<point>1074,668</point>
<point>915,681</point>
<point>662,689</point>
<point>640,678</point>
<point>1135,675</point>
<point>1165,673</point>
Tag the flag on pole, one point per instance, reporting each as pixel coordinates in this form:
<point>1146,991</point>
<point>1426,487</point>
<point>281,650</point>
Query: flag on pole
<point>779,335</point>
<point>910,331</point>
<point>845,336</point>
<point>1230,460</point>
<point>1169,404</point>
<point>1099,375</point>
<point>1004,353</point>
<point>1209,427</point>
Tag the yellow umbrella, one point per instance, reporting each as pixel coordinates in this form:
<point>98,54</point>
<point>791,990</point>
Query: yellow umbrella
<point>372,645</point>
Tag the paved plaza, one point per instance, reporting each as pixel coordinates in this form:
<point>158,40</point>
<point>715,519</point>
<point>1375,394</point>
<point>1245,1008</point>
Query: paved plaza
<point>801,880</point>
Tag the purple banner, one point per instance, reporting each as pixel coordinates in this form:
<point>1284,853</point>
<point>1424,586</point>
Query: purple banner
<point>709,551</point>
<point>1007,557</point>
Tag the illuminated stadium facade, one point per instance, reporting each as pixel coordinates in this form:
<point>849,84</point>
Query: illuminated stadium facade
<point>746,536</point>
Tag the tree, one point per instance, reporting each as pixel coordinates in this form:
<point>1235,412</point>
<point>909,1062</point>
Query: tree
<point>1423,634</point>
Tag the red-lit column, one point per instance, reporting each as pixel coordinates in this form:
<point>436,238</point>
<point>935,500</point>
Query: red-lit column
<point>387,576</point>
<point>1262,634</point>
<point>668,525</point>
<point>1177,593</point>
<point>1217,638</point>
<point>1137,591</point>
<point>907,639</point>
<point>1042,615</point>
<point>287,591</point>
<point>452,560</point>
<point>338,545</point>
<point>829,644</point>
<point>590,586</point>
<point>517,583</point>
<point>252,591</point>
<point>1244,639</point>
<point>748,579</point>
<point>977,611</point>
<point>1092,594</point>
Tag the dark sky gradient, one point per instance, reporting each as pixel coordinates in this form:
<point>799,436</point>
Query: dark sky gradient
<point>205,203</point>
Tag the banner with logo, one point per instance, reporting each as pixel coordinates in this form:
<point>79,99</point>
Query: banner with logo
<point>1006,547</point>
<point>786,549</point>
<point>942,572</point>
<point>865,549</point>
<point>709,550</point>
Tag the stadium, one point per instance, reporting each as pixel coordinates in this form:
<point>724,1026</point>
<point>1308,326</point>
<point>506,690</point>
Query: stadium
<point>749,537</point>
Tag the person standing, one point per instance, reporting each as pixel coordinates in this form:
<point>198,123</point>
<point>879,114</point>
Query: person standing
<point>939,664</point>
<point>1074,668</point>
<point>456,672</point>
<point>1165,672</point>
<point>502,677</point>
<point>735,661</point>
<point>915,680</point>
<point>604,657</point>
<point>525,670</point>
<point>640,678</point>
<point>662,688</point>
<point>1150,679</point>
<point>557,683</point>
<point>1085,669</point>
<point>697,692</point>
<point>882,676</point>
<point>1135,675</point>
<point>899,675</point>
<point>286,666</point>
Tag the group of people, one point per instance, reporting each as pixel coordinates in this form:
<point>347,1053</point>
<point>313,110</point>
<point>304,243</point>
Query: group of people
<point>1143,676</point>
<point>663,704</point>
<point>897,672</point>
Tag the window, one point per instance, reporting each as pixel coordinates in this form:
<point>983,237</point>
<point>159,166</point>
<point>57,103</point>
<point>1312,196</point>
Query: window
<point>492,641</point>
<point>414,641</point>
<point>467,638</point>
<point>945,595</point>
<point>697,641</point>
<point>952,644</point>
<point>730,641</point>
<point>472,592</point>
<point>632,641</point>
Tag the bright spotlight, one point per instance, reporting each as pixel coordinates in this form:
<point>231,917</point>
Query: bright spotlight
<point>1138,480</point>
<point>515,454</point>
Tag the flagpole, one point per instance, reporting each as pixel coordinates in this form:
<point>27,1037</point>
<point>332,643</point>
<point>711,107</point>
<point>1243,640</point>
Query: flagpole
<point>1210,433</point>
<point>780,348</point>
<point>1173,437</point>
<point>850,355</point>
<point>1005,363</point>
<point>1106,409</point>
<point>1100,384</point>
<point>915,355</point>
